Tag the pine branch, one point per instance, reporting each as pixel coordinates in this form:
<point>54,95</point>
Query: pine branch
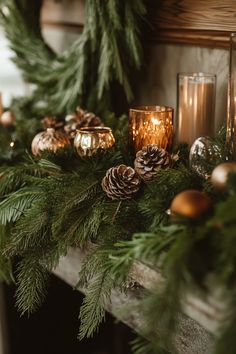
<point>158,195</point>
<point>140,345</point>
<point>225,342</point>
<point>16,203</point>
<point>144,247</point>
<point>98,279</point>
<point>92,312</point>
<point>6,272</point>
<point>80,213</point>
<point>31,232</point>
<point>32,279</point>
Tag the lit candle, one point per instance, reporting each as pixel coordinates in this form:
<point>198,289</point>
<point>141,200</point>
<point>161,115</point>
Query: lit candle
<point>196,106</point>
<point>151,125</point>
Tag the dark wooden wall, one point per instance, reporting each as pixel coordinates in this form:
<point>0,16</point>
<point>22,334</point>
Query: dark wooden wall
<point>200,22</point>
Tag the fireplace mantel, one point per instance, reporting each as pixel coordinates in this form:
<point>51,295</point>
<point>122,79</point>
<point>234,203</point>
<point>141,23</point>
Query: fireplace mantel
<point>198,323</point>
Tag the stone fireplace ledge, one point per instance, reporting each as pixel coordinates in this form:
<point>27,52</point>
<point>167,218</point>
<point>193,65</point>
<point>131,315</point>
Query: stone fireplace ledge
<point>198,323</point>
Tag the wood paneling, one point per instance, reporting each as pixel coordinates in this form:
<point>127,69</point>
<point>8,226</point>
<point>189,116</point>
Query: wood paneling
<point>66,14</point>
<point>202,22</point>
<point>212,39</point>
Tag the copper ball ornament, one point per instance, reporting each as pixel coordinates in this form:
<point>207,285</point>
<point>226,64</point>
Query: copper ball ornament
<point>49,140</point>
<point>7,119</point>
<point>190,203</point>
<point>220,174</point>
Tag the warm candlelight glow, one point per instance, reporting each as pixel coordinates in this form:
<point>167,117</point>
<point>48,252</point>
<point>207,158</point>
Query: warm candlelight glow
<point>196,106</point>
<point>151,125</point>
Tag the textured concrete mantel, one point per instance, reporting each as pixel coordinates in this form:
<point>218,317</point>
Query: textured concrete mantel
<point>197,324</point>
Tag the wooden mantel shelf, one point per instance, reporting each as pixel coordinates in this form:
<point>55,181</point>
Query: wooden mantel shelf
<point>197,324</point>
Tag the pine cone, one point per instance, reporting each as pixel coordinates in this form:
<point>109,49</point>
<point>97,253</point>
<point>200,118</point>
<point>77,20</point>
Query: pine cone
<point>150,160</point>
<point>91,120</point>
<point>80,119</point>
<point>51,122</point>
<point>72,124</point>
<point>121,182</point>
<point>80,112</point>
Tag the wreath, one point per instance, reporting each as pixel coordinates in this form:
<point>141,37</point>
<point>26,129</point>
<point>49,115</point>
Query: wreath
<point>68,198</point>
<point>105,52</point>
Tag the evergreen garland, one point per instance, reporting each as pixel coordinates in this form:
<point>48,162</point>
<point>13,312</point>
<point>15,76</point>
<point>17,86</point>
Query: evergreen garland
<point>69,208</point>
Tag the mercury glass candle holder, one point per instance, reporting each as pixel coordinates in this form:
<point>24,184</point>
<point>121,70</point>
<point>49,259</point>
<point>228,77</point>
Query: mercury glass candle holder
<point>151,125</point>
<point>196,106</point>
<point>89,140</point>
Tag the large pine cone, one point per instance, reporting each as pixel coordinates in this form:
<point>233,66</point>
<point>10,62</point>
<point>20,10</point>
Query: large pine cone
<point>150,160</point>
<point>121,182</point>
<point>80,119</point>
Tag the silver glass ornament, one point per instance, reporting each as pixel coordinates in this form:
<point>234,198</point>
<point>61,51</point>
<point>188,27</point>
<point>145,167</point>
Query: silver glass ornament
<point>204,154</point>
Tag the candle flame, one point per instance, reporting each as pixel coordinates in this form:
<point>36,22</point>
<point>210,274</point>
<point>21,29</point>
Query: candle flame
<point>156,121</point>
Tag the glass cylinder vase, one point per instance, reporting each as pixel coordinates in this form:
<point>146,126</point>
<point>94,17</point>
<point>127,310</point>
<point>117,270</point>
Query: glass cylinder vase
<point>231,114</point>
<point>151,125</point>
<point>196,106</point>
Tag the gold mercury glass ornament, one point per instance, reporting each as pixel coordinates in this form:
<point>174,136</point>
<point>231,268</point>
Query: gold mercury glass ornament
<point>89,140</point>
<point>50,140</point>
<point>220,175</point>
<point>7,119</point>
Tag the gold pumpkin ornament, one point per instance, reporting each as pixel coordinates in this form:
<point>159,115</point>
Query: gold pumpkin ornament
<point>7,119</point>
<point>89,140</point>
<point>190,203</point>
<point>50,140</point>
<point>220,174</point>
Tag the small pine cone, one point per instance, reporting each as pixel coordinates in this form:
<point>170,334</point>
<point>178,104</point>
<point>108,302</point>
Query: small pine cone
<point>80,112</point>
<point>150,160</point>
<point>80,119</point>
<point>72,124</point>
<point>132,285</point>
<point>51,122</point>
<point>121,182</point>
<point>90,120</point>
